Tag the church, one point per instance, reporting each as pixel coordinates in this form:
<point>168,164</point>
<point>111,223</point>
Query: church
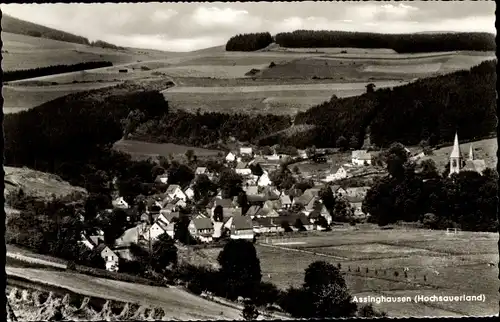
<point>459,163</point>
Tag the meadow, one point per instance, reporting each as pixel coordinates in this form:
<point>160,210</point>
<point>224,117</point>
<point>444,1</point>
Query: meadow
<point>187,306</point>
<point>141,150</point>
<point>452,265</point>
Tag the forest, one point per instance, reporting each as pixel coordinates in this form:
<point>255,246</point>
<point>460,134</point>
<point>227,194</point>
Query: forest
<point>249,42</point>
<point>103,44</point>
<point>423,193</point>
<point>52,70</point>
<point>18,26</point>
<point>401,43</point>
<point>463,101</point>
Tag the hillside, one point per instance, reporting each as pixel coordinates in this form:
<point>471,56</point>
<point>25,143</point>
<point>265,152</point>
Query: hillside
<point>22,27</point>
<point>36,183</point>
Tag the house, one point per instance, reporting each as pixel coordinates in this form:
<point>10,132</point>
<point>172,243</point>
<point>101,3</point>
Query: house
<point>264,180</point>
<point>168,208</point>
<point>91,241</point>
<point>323,212</point>
<point>153,207</point>
<point>252,211</point>
<point>201,170</point>
<point>226,204</point>
<point>338,190</point>
<point>202,228</point>
<point>175,191</point>
<point>189,192</point>
<point>242,169</point>
<point>241,228</point>
<point>272,204</point>
<point>157,229</point>
<point>246,151</point>
<point>110,257</point>
<point>256,200</point>
<point>361,157</point>
<point>292,220</point>
<point>230,157</point>
<point>266,212</point>
<point>162,178</point>
<point>180,204</point>
<point>356,203</point>
<point>286,201</point>
<point>120,203</point>
<point>251,190</point>
<point>302,154</point>
<point>264,225</point>
<point>338,174</point>
<point>131,236</point>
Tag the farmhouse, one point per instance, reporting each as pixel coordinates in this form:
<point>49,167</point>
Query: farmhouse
<point>337,174</point>
<point>202,228</point>
<point>175,191</point>
<point>241,228</point>
<point>266,225</point>
<point>242,169</point>
<point>361,157</point>
<point>110,257</point>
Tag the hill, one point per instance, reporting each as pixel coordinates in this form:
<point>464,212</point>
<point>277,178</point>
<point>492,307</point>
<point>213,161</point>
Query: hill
<point>36,183</point>
<point>22,27</point>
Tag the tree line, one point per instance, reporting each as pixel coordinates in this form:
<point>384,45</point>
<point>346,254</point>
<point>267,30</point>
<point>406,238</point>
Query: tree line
<point>249,42</point>
<point>428,195</point>
<point>463,101</point>
<point>401,43</point>
<point>18,26</point>
<point>52,70</point>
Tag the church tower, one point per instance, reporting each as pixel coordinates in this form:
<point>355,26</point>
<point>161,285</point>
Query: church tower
<point>471,153</point>
<point>455,157</point>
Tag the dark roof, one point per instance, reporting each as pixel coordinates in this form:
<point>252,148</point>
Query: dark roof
<point>266,222</point>
<point>256,198</point>
<point>285,200</point>
<point>99,248</point>
<point>224,203</point>
<point>203,223</point>
<point>241,222</point>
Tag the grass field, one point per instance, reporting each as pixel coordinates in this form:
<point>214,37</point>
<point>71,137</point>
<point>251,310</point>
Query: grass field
<point>187,306</point>
<point>143,149</point>
<point>452,265</point>
<point>483,149</point>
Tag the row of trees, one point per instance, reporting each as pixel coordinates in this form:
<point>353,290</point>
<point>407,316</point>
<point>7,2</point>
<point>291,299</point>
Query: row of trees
<point>464,100</point>
<point>249,42</point>
<point>18,26</point>
<point>51,70</point>
<point>466,200</point>
<point>401,43</point>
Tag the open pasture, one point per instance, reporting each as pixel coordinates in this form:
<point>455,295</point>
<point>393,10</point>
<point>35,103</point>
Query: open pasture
<point>144,149</point>
<point>215,71</point>
<point>187,306</point>
<point>450,263</point>
<point>24,52</point>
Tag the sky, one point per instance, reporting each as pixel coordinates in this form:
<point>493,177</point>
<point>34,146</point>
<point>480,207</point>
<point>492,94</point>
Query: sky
<point>192,26</point>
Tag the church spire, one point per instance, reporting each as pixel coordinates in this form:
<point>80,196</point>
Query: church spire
<point>471,153</point>
<point>455,153</point>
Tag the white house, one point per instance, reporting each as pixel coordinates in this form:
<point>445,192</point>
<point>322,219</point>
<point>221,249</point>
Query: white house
<point>340,174</point>
<point>361,157</point>
<point>230,157</point>
<point>241,228</point>
<point>175,191</point>
<point>189,192</point>
<point>246,151</point>
<point>264,180</point>
<point>201,170</point>
<point>110,257</point>
<point>242,169</point>
<point>201,228</point>
<point>120,203</point>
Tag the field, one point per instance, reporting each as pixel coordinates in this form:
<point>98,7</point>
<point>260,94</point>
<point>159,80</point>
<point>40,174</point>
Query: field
<point>140,149</point>
<point>187,306</point>
<point>214,80</point>
<point>483,149</point>
<point>452,265</point>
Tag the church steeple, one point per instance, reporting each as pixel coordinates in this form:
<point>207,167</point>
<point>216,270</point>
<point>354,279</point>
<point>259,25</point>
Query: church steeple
<point>455,157</point>
<point>471,153</point>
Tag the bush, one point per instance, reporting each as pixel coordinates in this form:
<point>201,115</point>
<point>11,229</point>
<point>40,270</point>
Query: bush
<point>250,312</point>
<point>71,266</point>
<point>396,274</point>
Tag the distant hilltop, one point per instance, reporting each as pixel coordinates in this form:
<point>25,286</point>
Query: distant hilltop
<point>22,27</point>
<point>431,41</point>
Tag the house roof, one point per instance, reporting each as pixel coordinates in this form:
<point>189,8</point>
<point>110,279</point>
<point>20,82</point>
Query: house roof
<point>335,188</point>
<point>200,170</point>
<point>224,203</point>
<point>256,198</point>
<point>241,222</point>
<point>245,150</point>
<point>172,188</point>
<point>251,190</point>
<point>99,248</point>
<point>285,200</point>
<point>241,165</point>
<point>361,155</point>
<point>252,210</point>
<point>266,222</point>
<point>171,216</point>
<point>203,223</point>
